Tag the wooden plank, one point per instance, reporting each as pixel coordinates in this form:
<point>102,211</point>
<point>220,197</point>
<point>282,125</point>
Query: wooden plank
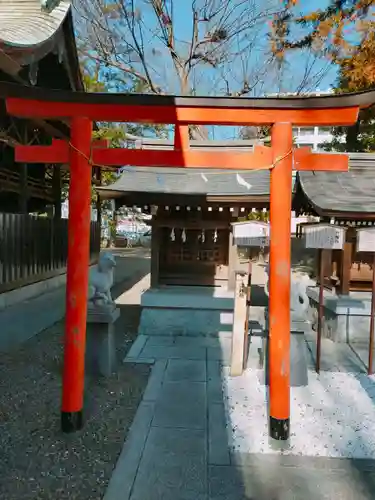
<point>183,115</point>
<point>233,256</point>
<point>155,256</point>
<point>29,247</point>
<point>260,158</point>
<point>33,249</point>
<point>12,247</point>
<point>17,256</point>
<point>305,159</point>
<point>239,320</point>
<point>346,268</point>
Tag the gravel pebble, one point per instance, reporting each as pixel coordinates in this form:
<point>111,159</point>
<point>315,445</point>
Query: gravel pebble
<point>37,461</point>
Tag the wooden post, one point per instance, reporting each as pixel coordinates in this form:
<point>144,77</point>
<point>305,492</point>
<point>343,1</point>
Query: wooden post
<point>155,254</point>
<point>248,304</point>
<point>279,300</point>
<point>320,310</point>
<point>77,275</point>
<point>346,268</point>
<point>239,319</point>
<point>232,262</point>
<point>181,137</point>
<point>372,323</point>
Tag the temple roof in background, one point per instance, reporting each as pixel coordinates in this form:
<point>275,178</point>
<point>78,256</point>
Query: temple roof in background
<point>32,29</point>
<point>349,192</point>
<point>203,182</point>
<point>28,31</point>
<point>182,181</point>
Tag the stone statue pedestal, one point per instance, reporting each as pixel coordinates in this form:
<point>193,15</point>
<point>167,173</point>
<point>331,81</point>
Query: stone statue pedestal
<point>298,359</point>
<point>100,339</point>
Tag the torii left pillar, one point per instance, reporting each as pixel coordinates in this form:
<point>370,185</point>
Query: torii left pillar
<point>77,275</point>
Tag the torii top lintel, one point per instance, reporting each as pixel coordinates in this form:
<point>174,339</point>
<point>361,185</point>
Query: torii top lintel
<point>34,102</point>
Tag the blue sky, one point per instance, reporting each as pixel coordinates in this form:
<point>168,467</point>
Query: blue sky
<point>289,81</point>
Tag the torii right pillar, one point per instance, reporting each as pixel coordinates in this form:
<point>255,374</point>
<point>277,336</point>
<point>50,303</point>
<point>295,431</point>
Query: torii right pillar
<point>279,281</point>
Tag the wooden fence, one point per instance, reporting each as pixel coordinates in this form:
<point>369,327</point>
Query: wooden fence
<point>35,248</point>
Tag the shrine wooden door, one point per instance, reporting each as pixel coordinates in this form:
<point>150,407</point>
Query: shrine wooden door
<point>194,257</point>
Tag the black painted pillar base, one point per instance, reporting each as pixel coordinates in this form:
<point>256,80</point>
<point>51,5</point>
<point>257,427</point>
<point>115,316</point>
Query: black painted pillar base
<point>279,429</point>
<point>71,421</point>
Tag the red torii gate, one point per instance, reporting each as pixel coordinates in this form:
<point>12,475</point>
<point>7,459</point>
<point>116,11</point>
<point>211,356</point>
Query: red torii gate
<point>281,113</point>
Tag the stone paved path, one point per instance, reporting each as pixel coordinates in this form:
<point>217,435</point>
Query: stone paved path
<point>178,449</point>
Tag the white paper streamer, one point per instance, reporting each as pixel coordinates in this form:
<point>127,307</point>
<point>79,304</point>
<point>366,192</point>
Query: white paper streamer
<point>241,181</point>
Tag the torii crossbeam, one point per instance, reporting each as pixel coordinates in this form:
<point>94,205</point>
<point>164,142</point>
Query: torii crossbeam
<point>280,113</point>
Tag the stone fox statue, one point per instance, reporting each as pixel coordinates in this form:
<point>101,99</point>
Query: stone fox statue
<point>101,280</point>
<point>299,300</point>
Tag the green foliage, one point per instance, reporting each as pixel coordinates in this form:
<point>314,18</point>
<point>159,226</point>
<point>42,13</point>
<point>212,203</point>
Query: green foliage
<point>361,136</point>
<point>328,31</point>
<point>257,216</point>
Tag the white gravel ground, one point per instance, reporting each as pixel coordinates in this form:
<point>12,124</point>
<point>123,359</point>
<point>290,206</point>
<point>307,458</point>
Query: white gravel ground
<point>334,416</point>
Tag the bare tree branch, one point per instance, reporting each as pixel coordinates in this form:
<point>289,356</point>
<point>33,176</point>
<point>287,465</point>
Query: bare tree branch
<point>190,47</point>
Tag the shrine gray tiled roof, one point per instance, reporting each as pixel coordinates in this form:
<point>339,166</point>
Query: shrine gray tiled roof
<point>25,24</point>
<point>350,192</point>
<point>191,181</point>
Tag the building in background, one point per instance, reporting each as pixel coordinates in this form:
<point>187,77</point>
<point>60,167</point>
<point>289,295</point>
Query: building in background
<point>313,137</point>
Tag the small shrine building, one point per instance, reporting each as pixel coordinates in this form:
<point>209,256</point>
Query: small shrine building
<point>346,199</point>
<point>192,214</point>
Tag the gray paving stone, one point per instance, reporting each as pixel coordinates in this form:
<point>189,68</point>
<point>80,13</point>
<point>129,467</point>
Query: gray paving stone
<point>222,339</point>
<point>214,382</point>
<point>213,370</point>
<point>179,370</point>
<point>233,483</point>
<point>190,392</point>
<point>218,449</point>
<point>173,463</point>
<point>122,479</point>
<point>164,493</point>
<point>182,405</point>
<point>147,361</point>
<point>195,341</point>
<point>215,392</point>
<point>158,340</point>
<point>309,478</point>
<point>301,484</point>
<point>219,354</point>
<point>136,348</point>
<point>174,352</point>
<point>265,460</point>
<point>155,381</point>
<point>22,321</point>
